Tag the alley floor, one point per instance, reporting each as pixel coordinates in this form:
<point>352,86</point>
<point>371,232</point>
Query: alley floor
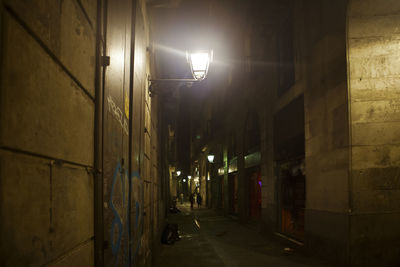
<point>210,239</point>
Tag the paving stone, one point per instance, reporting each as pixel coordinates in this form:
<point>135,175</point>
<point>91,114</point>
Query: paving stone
<point>238,246</point>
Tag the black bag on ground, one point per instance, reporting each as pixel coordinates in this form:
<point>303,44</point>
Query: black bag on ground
<point>170,234</point>
<point>174,209</point>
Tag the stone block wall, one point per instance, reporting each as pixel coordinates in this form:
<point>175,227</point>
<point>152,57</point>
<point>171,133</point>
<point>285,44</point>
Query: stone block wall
<point>374,81</point>
<point>46,132</point>
<point>326,128</point>
<point>47,146</point>
<point>146,151</point>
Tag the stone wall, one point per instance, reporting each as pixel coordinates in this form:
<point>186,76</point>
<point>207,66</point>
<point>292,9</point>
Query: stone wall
<point>374,81</point>
<point>46,132</point>
<point>326,127</point>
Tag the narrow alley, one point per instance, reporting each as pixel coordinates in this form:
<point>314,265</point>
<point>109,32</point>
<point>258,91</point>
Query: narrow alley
<point>280,117</point>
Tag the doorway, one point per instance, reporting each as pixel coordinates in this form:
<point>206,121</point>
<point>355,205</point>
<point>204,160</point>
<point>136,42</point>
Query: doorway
<point>292,197</point>
<point>233,181</point>
<point>289,155</point>
<point>254,176</point>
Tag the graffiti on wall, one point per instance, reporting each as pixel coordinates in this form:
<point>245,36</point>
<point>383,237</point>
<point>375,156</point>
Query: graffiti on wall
<point>118,114</point>
<point>119,204</point>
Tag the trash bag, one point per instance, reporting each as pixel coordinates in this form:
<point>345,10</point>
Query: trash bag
<point>173,209</point>
<point>170,234</point>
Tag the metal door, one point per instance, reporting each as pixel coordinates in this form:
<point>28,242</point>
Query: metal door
<point>292,198</point>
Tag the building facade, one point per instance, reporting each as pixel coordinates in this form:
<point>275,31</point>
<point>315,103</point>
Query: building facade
<point>303,128</point>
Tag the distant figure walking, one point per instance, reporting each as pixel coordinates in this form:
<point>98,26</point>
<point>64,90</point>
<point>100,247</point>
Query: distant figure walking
<point>191,198</point>
<point>199,199</point>
<point>181,197</point>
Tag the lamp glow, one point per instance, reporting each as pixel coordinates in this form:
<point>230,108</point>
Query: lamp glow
<point>189,177</point>
<point>184,180</point>
<point>210,158</point>
<point>199,63</point>
<point>178,173</point>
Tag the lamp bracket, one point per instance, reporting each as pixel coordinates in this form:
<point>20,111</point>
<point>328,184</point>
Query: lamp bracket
<point>153,83</point>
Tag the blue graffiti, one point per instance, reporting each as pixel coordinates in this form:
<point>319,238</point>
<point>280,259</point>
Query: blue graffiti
<point>117,222</point>
<point>136,250</point>
<point>137,204</point>
<point>137,217</point>
<point>120,209</point>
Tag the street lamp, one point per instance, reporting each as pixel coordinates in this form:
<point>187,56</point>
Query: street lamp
<point>210,158</point>
<point>199,62</point>
<point>178,173</point>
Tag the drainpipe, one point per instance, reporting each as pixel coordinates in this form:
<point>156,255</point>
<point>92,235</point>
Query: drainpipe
<point>98,138</point>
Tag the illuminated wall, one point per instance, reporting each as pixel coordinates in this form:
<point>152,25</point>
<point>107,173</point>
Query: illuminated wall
<point>374,82</point>
<point>47,116</point>
<point>80,176</point>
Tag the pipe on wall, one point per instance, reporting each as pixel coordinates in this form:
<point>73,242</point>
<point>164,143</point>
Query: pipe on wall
<point>98,135</point>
